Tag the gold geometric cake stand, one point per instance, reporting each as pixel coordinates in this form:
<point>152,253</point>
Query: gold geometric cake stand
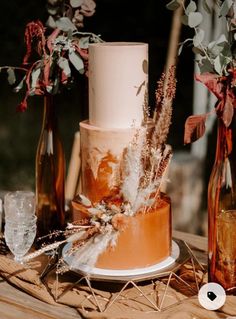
<point>166,275</point>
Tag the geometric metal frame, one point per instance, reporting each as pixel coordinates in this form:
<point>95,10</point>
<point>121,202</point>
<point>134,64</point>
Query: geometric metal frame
<point>135,283</point>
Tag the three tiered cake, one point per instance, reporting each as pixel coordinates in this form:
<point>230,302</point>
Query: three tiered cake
<point>119,172</point>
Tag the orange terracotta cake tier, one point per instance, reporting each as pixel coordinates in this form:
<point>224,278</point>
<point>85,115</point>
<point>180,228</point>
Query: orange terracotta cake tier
<point>144,242</point>
<point>102,153</point>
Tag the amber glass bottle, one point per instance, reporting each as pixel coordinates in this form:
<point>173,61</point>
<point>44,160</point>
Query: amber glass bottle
<point>222,210</point>
<point>50,171</point>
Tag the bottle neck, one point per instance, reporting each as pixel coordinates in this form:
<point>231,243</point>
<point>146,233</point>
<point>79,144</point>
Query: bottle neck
<point>226,136</point>
<point>49,115</point>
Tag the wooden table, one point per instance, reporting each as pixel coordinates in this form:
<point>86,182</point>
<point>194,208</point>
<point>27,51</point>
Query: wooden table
<point>15,304</point>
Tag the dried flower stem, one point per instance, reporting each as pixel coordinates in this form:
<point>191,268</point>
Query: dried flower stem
<point>165,100</point>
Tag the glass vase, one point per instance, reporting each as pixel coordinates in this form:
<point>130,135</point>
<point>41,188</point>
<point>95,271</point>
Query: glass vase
<point>50,171</point>
<point>222,210</point>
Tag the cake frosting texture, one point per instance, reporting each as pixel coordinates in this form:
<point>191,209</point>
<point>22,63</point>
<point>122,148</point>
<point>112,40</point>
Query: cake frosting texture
<point>117,83</point>
<point>144,242</point>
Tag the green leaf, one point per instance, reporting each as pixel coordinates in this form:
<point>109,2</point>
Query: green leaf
<point>218,46</point>
<point>49,88</point>
<point>76,3</point>
<point>198,38</point>
<point>205,66</point>
<point>51,22</point>
<point>182,44</point>
<point>64,65</point>
<point>34,77</point>
<point>198,51</point>
<point>11,76</point>
<point>191,7</point>
<point>226,5</point>
<point>65,24</point>
<point>206,7</point>
<point>184,19</point>
<point>217,65</point>
<point>194,19</point>
<point>84,42</point>
<point>76,60</point>
<point>173,5</point>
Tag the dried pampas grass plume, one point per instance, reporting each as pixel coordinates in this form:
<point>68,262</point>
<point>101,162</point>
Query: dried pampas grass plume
<point>165,94</point>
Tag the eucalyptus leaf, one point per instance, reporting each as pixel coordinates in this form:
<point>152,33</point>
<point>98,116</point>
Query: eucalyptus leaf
<point>20,85</point>
<point>199,37</point>
<point>76,60</point>
<point>64,65</point>
<point>205,66</point>
<point>222,38</point>
<point>34,77</point>
<point>217,65</point>
<point>184,19</point>
<point>206,7</point>
<point>226,5</point>
<point>51,22</point>
<point>65,24</point>
<point>76,3</point>
<point>191,7</point>
<point>182,44</point>
<point>218,46</point>
<point>173,5</point>
<point>194,19</point>
<point>49,88</point>
<point>198,51</point>
<point>11,76</point>
<point>84,42</point>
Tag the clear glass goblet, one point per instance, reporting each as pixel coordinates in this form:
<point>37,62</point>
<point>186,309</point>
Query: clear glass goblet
<point>19,236</point>
<point>19,205</point>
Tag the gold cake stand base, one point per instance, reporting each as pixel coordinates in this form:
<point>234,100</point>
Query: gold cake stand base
<point>186,258</point>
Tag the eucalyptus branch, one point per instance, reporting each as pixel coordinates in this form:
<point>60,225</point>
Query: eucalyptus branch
<point>93,35</point>
<point>6,67</point>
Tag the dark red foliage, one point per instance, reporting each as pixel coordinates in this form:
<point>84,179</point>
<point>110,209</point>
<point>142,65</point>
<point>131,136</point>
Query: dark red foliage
<point>34,33</point>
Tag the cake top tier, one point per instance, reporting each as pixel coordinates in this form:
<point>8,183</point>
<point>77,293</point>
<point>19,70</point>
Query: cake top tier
<point>118,78</point>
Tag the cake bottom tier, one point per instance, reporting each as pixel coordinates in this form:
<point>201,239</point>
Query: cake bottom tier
<point>144,242</point>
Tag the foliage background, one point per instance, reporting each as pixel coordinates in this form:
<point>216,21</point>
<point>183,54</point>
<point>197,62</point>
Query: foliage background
<point>115,20</point>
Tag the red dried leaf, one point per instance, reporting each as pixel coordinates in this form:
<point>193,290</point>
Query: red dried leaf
<point>213,82</point>
<point>47,64</point>
<point>228,110</point>
<point>194,128</point>
<point>34,29</point>
<point>82,52</point>
<point>22,106</point>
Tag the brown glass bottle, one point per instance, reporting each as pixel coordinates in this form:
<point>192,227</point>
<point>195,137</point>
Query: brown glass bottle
<point>222,210</point>
<point>50,171</point>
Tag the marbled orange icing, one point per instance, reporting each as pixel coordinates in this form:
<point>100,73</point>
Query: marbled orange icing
<point>97,187</point>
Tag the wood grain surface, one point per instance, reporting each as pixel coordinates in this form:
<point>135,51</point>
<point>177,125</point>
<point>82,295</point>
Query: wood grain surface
<point>15,304</point>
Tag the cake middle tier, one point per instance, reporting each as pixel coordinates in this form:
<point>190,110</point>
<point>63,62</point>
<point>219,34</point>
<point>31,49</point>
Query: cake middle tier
<point>102,152</point>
